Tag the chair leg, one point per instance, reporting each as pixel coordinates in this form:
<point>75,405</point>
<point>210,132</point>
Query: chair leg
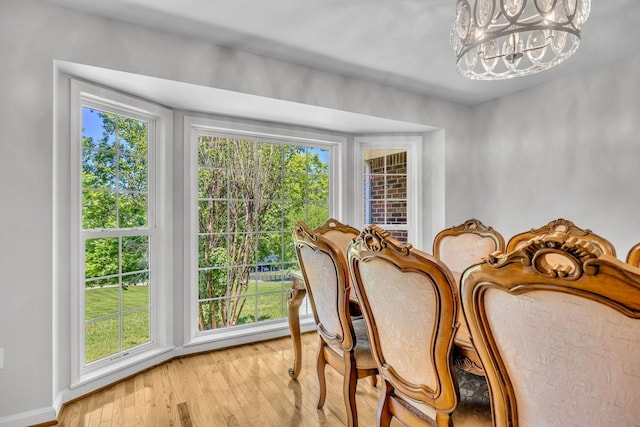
<point>373,380</point>
<point>443,420</point>
<point>349,388</point>
<point>320,365</point>
<point>383,414</point>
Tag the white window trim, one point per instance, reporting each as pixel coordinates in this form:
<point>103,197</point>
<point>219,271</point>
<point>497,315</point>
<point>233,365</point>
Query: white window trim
<point>195,126</point>
<point>159,221</point>
<point>413,145</point>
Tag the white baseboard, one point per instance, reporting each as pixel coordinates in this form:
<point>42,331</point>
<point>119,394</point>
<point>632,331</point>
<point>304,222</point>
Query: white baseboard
<point>36,416</point>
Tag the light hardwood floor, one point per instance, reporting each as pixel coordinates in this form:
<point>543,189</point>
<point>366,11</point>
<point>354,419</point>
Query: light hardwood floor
<point>241,386</point>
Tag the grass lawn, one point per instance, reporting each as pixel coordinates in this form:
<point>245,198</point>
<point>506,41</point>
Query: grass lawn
<point>103,336</point>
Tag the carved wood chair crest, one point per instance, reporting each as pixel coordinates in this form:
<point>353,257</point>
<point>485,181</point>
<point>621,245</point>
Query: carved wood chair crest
<point>633,256</point>
<point>566,226</point>
<point>543,252</point>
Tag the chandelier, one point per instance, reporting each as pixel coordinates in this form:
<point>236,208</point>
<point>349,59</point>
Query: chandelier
<point>501,39</point>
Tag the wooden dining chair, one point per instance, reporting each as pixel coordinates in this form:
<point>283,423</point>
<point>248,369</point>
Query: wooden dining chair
<point>633,256</point>
<point>559,341</point>
<point>459,247</point>
<point>342,234</point>
<point>343,342</point>
<point>409,306</point>
<point>565,226</point>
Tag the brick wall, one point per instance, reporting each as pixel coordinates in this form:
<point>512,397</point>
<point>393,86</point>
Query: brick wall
<point>396,191</point>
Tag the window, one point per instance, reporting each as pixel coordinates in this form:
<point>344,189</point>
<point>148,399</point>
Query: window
<point>250,191</point>
<point>386,180</point>
<point>118,229</point>
<point>385,195</point>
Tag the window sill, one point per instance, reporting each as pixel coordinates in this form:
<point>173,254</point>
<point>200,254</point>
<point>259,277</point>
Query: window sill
<point>125,367</point>
<point>205,341</point>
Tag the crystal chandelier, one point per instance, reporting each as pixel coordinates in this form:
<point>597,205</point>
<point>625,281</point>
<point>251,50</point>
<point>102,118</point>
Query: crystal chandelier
<point>501,39</point>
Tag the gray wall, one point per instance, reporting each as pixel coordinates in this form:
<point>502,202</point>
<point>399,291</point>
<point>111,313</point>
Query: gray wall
<point>570,149</point>
<point>565,149</point>
<point>34,291</point>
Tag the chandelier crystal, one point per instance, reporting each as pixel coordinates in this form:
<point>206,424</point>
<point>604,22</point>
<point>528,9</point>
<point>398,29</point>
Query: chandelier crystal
<point>502,39</point>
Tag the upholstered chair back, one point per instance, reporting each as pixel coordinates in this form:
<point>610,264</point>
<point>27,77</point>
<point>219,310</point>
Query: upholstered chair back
<point>343,342</point>
<point>559,341</point>
<point>339,233</point>
<point>325,274</point>
<point>407,299</point>
<point>460,247</point>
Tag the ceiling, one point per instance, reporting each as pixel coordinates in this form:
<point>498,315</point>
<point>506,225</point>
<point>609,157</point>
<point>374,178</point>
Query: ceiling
<point>401,43</point>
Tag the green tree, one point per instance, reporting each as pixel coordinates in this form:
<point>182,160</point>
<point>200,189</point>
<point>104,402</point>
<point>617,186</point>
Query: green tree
<point>242,188</point>
<point>114,195</point>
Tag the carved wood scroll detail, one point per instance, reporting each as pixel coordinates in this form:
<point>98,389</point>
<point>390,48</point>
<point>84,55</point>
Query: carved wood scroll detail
<point>573,251</point>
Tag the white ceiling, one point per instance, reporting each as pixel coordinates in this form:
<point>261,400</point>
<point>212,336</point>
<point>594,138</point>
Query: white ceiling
<point>402,43</point>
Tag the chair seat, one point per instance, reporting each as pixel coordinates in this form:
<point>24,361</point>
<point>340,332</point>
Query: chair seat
<point>364,358</point>
<point>362,349</point>
<point>474,406</point>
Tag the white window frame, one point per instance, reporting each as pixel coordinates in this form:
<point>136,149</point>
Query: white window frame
<point>413,145</point>
<point>193,128</point>
<point>159,226</point>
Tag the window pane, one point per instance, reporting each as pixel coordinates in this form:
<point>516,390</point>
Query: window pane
<point>135,291</point>
<point>132,173</point>
<point>270,305</point>
<point>246,309</point>
<point>270,215</point>
<point>132,136</point>
<point>98,209</point>
<point>212,215</point>
<point>101,257</point>
<point>318,214</point>
<point>102,338</point>
<point>135,328</point>
<point>295,187</point>
<point>135,253</point>
<point>385,187</point>
<point>212,314</point>
<point>212,250</point>
<point>374,187</point>
<point>256,191</point>
<point>396,212</point>
<point>212,283</point>
<point>98,129</point>
<point>115,183</point>
<point>295,159</point>
<point>102,301</point>
<point>270,251</point>
<point>99,169</point>
<point>290,251</point>
<point>396,187</point>
<point>212,184</point>
<point>213,152</point>
<point>318,161</point>
<point>132,210</point>
<point>318,187</point>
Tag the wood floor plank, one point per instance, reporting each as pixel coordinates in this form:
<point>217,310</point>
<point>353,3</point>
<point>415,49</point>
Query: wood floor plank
<point>244,386</point>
